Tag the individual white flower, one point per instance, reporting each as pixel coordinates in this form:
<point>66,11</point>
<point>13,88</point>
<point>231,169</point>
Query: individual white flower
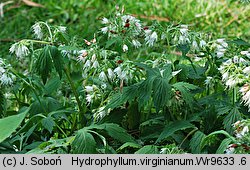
<point>118,71</point>
<point>195,45</point>
<point>225,76</point>
<point>163,36</point>
<point>236,59</point>
<point>100,113</point>
<point>246,98</point>
<point>208,80</point>
<point>244,131</point>
<point>105,21</point>
<point>37,30</point>
<point>19,49</point>
<point>93,58</point>
<point>236,123</point>
<point>244,52</point>
<point>246,70</point>
<point>163,150</point>
<point>89,98</point>
<point>81,58</point>
<point>125,48</point>
<point>102,76</point>
<point>89,89</point>
<point>174,73</point>
<point>231,82</point>
<point>95,64</point>
<point>2,70</point>
<point>220,40</point>
<point>6,79</point>
<point>111,74</point>
<point>62,29</point>
<point>203,43</point>
<point>104,30</point>
<point>136,43</point>
<point>230,150</point>
<point>184,29</point>
<point>123,75</point>
<point>87,64</point>
<point>219,54</point>
<point>150,38</point>
<point>242,60</point>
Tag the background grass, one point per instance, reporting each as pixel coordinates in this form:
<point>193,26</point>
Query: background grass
<point>222,18</point>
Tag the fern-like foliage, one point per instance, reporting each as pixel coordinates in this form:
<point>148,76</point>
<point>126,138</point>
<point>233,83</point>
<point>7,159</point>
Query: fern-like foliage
<point>49,57</point>
<point>156,86</point>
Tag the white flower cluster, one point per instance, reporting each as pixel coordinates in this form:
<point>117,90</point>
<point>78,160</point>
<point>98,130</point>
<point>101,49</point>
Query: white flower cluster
<point>245,53</point>
<point>121,24</point>
<point>232,73</point>
<point>220,47</point>
<point>241,131</point>
<point>6,78</point>
<point>230,149</point>
<point>89,62</point>
<point>245,92</point>
<point>100,113</point>
<point>20,49</point>
<point>92,93</point>
<point>242,128</point>
<point>37,30</point>
<point>125,25</point>
<point>112,75</point>
<point>150,37</point>
<point>184,36</point>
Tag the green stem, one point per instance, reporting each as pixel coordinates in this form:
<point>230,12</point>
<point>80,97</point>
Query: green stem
<point>234,95</point>
<point>73,88</point>
<point>37,41</point>
<point>32,88</point>
<point>61,130</point>
<point>50,33</point>
<point>190,133</point>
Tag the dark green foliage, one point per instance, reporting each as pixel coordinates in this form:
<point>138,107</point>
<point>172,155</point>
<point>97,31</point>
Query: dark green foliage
<point>172,128</point>
<point>195,142</point>
<point>148,149</point>
<point>84,143</point>
<point>49,57</point>
<point>2,104</point>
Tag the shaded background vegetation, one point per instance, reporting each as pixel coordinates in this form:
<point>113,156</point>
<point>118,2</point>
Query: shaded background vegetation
<point>222,17</point>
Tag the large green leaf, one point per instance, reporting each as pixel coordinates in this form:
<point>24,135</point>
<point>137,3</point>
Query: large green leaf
<point>156,86</point>
<point>57,59</point>
<point>185,89</point>
<point>233,116</point>
<point>114,131</point>
<point>195,142</point>
<point>44,64</point>
<point>172,128</point>
<point>48,123</point>
<point>206,140</point>
<point>148,149</point>
<point>9,124</point>
<point>84,143</point>
<point>52,85</point>
<point>128,145</point>
<point>224,145</point>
